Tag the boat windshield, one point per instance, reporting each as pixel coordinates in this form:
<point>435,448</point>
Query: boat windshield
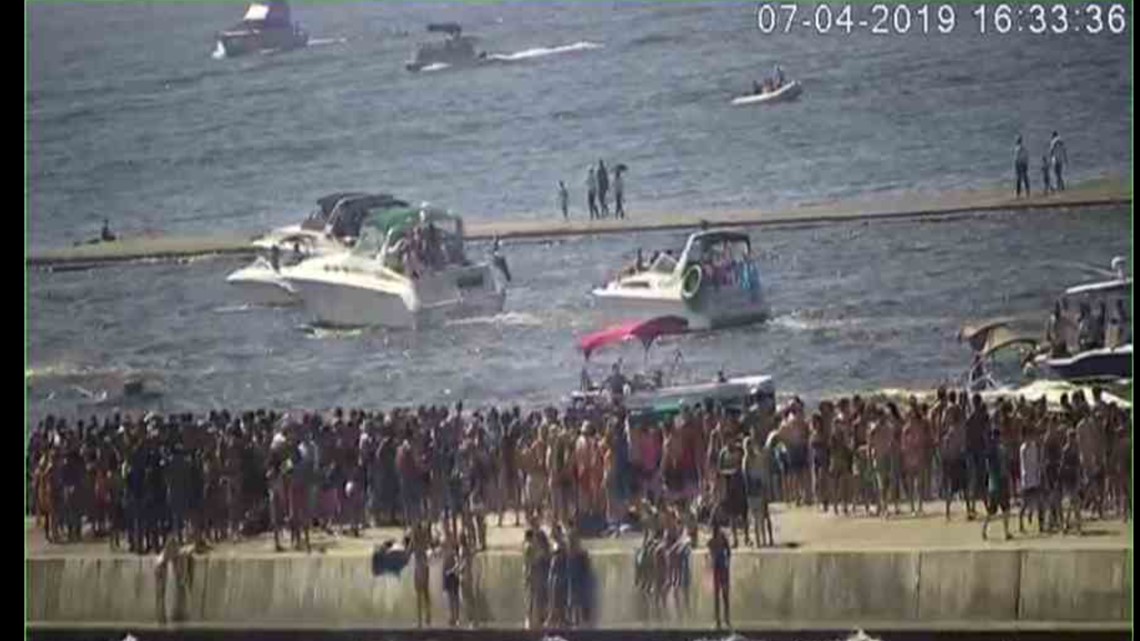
<point>664,264</point>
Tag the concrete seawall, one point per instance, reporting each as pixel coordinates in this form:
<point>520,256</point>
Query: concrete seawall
<point>1007,586</point>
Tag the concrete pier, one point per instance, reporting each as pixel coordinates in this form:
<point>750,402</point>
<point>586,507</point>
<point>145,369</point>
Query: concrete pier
<point>872,577</point>
<point>1101,192</point>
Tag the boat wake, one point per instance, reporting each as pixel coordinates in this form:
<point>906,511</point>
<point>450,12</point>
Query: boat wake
<point>320,42</point>
<point>807,322</point>
<point>332,333</point>
<point>438,66</point>
<point>542,52</point>
<point>219,52</point>
<point>234,309</point>
<point>509,319</point>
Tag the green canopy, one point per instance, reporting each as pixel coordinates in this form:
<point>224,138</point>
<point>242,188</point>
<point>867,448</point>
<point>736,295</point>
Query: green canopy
<point>384,220</point>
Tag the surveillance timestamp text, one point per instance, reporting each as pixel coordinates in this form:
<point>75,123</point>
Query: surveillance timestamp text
<point>1090,18</point>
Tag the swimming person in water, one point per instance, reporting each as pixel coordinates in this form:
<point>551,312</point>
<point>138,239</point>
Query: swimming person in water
<point>1021,166</point>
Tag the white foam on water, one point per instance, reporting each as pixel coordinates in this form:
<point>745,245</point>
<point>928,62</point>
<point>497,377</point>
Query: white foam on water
<point>540,52</point>
<point>798,323</point>
<point>512,319</point>
<point>437,66</point>
<point>318,42</point>
<point>234,309</point>
<point>219,51</point>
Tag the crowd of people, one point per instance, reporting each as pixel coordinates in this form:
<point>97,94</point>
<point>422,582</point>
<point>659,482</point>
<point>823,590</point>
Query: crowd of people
<point>143,482</point>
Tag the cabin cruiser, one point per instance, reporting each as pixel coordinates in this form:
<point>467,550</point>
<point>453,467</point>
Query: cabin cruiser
<point>407,269</point>
<point>456,50</point>
<point>714,283</point>
<point>266,26</point>
<point>658,390</point>
<point>332,228</point>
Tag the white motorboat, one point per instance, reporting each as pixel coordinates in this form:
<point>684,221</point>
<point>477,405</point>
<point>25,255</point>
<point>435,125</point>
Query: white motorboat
<point>456,50</point>
<point>261,284</point>
<point>660,391</point>
<point>787,92</point>
<point>266,27</point>
<point>714,283</point>
<point>1105,352</point>
<point>331,228</point>
<point>386,281</point>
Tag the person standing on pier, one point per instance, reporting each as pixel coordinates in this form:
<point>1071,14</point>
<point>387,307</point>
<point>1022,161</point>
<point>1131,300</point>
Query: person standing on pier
<point>603,189</point>
<point>720,556</point>
<point>563,200</point>
<point>1045,174</point>
<point>1060,158</point>
<point>592,192</point>
<point>1021,166</point>
<point>998,484</point>
<point>619,192</point>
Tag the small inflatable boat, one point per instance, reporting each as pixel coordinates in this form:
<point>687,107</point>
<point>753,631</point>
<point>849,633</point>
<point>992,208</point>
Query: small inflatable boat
<point>790,91</point>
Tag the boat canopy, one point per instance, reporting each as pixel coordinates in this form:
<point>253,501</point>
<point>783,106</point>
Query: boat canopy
<point>645,331</point>
<point>274,12</point>
<point>1119,287</point>
<point>350,212</point>
<point>722,235</point>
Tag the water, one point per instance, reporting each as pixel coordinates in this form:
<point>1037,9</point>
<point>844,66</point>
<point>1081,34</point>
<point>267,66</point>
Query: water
<point>130,117</point>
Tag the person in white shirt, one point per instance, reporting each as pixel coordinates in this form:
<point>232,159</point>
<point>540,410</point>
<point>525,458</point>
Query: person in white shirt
<point>1031,486</point>
<point>1021,166</point>
<point>1060,158</point>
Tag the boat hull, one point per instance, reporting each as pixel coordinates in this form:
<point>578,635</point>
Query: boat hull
<point>434,300</point>
<point>1108,363</point>
<point>788,92</point>
<point>730,310</point>
<point>260,285</point>
<point>240,43</point>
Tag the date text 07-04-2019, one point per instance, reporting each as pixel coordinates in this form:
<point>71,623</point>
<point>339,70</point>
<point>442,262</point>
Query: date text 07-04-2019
<point>903,19</point>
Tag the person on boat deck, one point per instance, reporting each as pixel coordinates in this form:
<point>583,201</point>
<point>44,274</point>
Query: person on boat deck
<point>756,88</point>
<point>105,235</point>
<point>779,76</point>
<point>1100,324</point>
<point>616,382</point>
<point>1085,336</point>
<point>1021,166</point>
<point>640,264</point>
<point>1124,336</point>
<point>1054,332</point>
<point>275,258</point>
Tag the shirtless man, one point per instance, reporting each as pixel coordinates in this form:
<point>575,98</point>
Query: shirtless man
<point>420,545</point>
<point>533,462</point>
<point>881,439</point>
<point>952,449</point>
<point>758,474</point>
<point>794,435</point>
<point>1122,471</point>
<point>1091,444</point>
<point>914,458</point>
<point>841,463</point>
